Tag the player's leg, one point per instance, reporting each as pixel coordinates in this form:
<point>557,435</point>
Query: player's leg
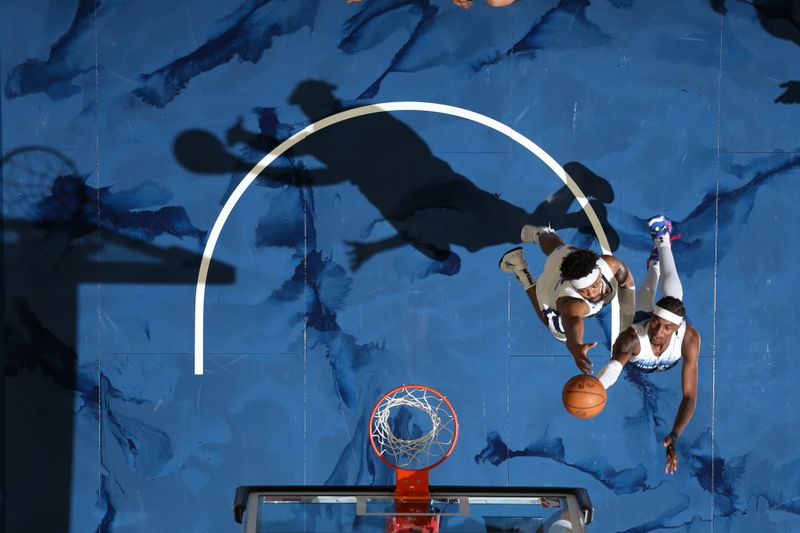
<point>646,296</point>
<point>514,262</point>
<point>661,231</point>
<point>544,236</point>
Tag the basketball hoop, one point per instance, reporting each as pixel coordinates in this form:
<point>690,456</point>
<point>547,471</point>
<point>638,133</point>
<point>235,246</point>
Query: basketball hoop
<point>412,458</point>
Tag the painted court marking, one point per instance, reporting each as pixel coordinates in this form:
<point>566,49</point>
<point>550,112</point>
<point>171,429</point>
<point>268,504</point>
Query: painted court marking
<point>219,223</point>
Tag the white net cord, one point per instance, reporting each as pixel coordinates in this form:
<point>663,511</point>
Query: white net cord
<point>423,451</point>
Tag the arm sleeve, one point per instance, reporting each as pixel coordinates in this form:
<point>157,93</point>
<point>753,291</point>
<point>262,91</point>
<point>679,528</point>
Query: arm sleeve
<point>627,301</point>
<point>608,374</point>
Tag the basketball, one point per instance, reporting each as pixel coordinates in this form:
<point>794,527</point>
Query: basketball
<point>584,396</point>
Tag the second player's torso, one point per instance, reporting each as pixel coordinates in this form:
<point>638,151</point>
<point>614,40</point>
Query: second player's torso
<point>647,360</point>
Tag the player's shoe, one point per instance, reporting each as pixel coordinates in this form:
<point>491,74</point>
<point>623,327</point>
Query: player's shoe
<point>659,226</point>
<point>531,233</point>
<point>514,262</point>
<point>660,230</point>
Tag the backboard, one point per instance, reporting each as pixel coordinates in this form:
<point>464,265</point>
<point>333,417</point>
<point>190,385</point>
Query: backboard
<point>375,509</point>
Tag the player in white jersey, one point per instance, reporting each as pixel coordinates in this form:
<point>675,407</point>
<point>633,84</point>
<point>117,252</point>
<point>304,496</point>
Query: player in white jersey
<point>575,284</point>
<point>660,337</point>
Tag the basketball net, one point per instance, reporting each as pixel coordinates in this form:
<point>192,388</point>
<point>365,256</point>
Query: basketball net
<point>413,458</point>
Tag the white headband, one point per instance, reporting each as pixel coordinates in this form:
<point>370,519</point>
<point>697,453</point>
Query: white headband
<point>587,280</point>
<point>667,315</point>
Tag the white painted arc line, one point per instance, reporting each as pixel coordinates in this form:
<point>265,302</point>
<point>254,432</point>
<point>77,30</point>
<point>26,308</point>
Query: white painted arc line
<point>233,199</point>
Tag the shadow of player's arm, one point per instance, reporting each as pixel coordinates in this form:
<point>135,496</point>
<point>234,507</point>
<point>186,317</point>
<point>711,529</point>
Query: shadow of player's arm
<point>300,176</point>
<point>203,153</point>
<point>360,252</point>
<point>791,93</point>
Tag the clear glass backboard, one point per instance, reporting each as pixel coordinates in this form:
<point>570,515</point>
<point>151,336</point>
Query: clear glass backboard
<point>372,509</point>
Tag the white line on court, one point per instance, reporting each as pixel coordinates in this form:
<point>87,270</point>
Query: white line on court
<point>219,223</point>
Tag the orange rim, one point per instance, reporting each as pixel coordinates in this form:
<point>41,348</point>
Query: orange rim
<point>398,389</point>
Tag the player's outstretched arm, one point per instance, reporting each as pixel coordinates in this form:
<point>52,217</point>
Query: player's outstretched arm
<point>626,346</point>
<point>690,353</point>
<point>572,311</point>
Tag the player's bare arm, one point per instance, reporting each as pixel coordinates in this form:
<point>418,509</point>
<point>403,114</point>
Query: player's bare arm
<point>626,346</point>
<point>572,312</point>
<point>690,354</point>
<point>622,273</point>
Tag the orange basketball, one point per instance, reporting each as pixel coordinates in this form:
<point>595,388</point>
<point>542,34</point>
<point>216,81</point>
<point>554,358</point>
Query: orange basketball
<point>584,396</point>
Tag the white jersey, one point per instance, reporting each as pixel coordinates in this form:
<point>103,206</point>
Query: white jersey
<point>647,361</point>
<point>550,287</point>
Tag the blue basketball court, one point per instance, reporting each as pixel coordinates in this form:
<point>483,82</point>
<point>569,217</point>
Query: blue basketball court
<point>230,227</point>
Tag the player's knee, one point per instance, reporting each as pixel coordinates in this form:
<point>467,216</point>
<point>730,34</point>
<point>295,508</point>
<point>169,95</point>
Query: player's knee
<point>549,242</point>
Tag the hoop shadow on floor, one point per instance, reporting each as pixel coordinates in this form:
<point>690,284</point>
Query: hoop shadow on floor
<point>53,245</point>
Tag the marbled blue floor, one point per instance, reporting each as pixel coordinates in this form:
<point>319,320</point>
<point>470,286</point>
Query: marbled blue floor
<point>126,126</point>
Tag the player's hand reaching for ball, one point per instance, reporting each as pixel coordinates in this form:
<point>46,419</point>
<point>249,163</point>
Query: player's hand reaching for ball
<point>671,464</point>
<point>581,359</point>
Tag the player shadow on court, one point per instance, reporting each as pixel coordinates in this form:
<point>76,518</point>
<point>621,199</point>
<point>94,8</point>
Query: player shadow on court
<point>780,19</point>
<point>429,205</point>
<point>46,263</point>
